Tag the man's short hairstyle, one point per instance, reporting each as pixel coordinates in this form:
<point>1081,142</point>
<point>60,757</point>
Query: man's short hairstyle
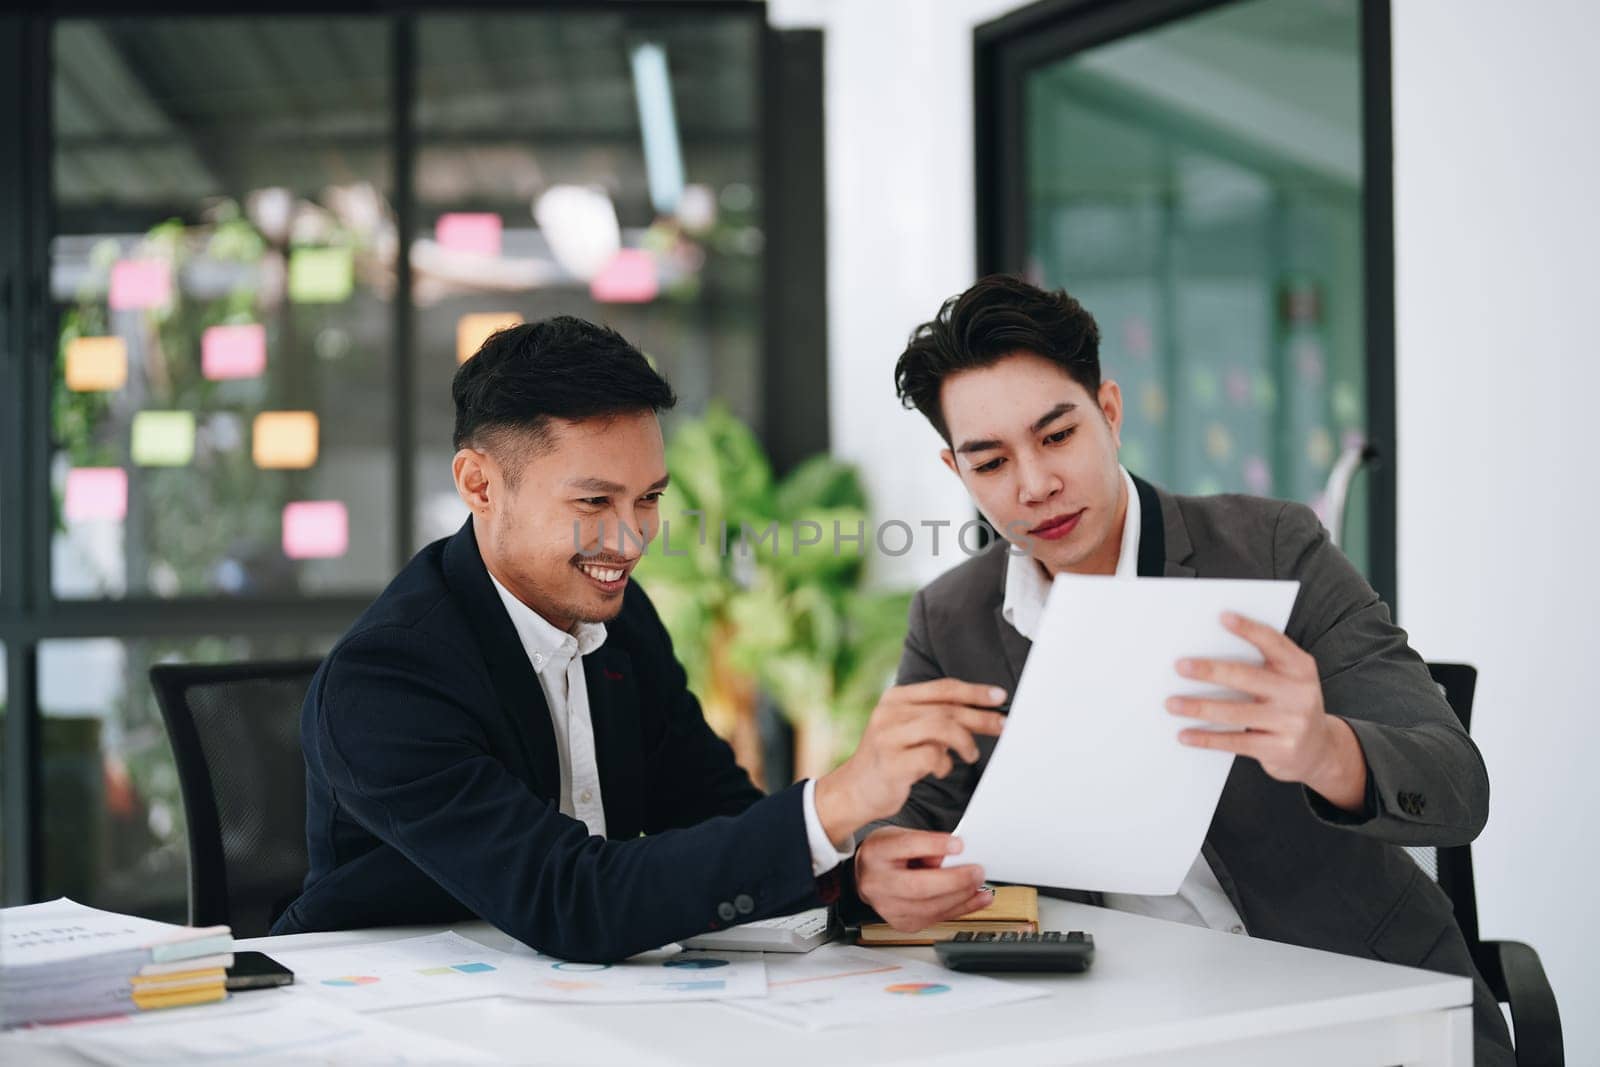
<point>523,377</point>
<point>1000,316</point>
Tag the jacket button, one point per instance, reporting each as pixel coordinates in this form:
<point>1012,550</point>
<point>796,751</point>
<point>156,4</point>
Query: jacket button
<point>744,904</point>
<point>726,912</point>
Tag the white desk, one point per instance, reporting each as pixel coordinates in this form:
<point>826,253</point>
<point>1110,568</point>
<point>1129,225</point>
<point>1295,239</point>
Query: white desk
<point>1158,993</point>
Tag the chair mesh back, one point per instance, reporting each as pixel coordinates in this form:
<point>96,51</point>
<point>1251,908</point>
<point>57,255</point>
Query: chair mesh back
<point>1427,858</point>
<point>247,730</point>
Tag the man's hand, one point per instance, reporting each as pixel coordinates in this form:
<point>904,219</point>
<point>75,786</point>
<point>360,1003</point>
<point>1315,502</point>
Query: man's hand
<point>1287,729</point>
<point>898,874</point>
<point>912,733</point>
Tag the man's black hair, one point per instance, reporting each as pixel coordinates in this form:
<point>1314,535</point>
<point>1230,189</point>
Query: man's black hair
<point>564,367</point>
<point>999,316</point>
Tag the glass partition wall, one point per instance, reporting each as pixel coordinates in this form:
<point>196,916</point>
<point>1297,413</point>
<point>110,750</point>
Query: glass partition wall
<point>253,249</point>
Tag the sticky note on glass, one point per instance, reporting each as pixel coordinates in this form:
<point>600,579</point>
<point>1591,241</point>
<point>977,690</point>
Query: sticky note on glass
<point>96,493</point>
<point>284,440</point>
<point>228,352</point>
<point>315,529</point>
<point>472,330</point>
<point>163,438</point>
<point>140,283</point>
<point>630,278</point>
<point>96,364</point>
<point>321,275</point>
<point>477,232</point>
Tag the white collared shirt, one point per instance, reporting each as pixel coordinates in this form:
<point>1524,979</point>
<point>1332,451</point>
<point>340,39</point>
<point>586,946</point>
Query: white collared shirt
<point>557,658</point>
<point>1200,900</point>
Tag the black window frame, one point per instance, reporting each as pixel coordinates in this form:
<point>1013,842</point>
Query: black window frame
<point>1006,49</point>
<point>788,149</point>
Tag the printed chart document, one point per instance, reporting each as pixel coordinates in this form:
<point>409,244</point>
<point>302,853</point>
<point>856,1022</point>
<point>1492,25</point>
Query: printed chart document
<point>274,1030</point>
<point>651,977</point>
<point>398,974</point>
<point>842,985</point>
<point>443,967</point>
<point>1088,787</point>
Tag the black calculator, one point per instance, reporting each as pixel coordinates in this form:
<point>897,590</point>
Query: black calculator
<point>1050,950</point>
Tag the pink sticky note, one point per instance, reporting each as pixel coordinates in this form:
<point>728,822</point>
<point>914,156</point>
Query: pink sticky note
<point>233,351</point>
<point>97,493</point>
<point>315,529</point>
<point>469,231</point>
<point>630,278</point>
<point>140,283</point>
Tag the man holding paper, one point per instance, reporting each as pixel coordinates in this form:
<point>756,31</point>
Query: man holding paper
<point>1347,747</point>
<point>505,733</point>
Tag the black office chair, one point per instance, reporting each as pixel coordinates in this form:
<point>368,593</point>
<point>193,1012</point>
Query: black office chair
<point>235,732</point>
<point>1511,968</point>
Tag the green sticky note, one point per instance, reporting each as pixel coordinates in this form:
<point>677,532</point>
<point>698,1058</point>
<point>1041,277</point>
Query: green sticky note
<point>320,275</point>
<point>163,438</point>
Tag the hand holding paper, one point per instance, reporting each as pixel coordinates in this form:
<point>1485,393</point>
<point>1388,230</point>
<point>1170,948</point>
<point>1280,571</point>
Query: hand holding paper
<point>1285,725</point>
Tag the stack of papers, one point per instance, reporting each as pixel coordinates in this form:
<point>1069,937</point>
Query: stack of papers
<point>61,960</point>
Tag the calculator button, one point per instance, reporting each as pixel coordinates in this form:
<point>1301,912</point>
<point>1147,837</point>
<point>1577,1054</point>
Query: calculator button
<point>964,935</point>
<point>987,935</point>
<point>1028,937</point>
<point>1076,935</point>
<point>1009,935</point>
<point>1051,935</point>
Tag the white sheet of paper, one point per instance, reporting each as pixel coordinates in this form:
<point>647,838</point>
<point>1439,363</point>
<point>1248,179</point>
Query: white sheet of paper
<point>649,978</point>
<point>442,967</point>
<point>271,1030</point>
<point>431,969</point>
<point>1088,787</point>
<point>843,985</point>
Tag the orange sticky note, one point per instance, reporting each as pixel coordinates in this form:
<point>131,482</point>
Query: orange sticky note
<point>96,364</point>
<point>472,330</point>
<point>285,440</point>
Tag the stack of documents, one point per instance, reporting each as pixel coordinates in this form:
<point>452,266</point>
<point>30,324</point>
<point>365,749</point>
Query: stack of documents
<point>61,960</point>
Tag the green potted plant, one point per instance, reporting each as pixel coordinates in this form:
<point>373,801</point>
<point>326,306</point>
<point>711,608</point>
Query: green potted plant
<point>761,583</point>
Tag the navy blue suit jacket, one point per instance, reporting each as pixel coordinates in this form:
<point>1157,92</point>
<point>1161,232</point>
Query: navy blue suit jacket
<point>432,782</point>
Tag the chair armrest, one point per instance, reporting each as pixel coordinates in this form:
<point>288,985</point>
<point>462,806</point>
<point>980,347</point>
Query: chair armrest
<point>1514,972</point>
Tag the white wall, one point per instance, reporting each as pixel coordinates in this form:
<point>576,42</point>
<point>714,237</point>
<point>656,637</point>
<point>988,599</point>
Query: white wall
<point>1497,235</point>
<point>901,236</point>
<point>1496,165</point>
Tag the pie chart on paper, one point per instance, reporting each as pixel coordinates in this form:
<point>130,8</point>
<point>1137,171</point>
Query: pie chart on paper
<point>695,964</point>
<point>917,989</point>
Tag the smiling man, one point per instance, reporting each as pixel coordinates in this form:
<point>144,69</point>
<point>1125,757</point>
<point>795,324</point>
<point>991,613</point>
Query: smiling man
<point>505,733</point>
<point>1348,749</point>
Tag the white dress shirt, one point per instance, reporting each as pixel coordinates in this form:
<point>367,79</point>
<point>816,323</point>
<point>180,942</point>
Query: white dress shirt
<point>557,658</point>
<point>1200,900</point>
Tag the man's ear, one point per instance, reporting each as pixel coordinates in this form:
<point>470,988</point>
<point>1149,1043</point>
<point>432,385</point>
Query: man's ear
<point>1110,400</point>
<point>476,478</point>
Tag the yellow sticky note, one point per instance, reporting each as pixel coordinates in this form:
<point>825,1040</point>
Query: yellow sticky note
<point>96,364</point>
<point>163,438</point>
<point>285,440</point>
<point>320,275</point>
<point>472,330</point>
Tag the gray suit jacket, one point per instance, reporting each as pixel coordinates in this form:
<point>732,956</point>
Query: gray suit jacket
<point>1297,869</point>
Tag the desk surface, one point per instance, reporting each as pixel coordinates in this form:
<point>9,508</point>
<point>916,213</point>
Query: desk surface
<point>1159,990</point>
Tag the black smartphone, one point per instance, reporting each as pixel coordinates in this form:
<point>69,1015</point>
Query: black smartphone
<point>257,970</point>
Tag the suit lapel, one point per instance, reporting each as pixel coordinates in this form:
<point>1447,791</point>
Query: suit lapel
<point>618,748</point>
<point>515,683</point>
<point>1164,545</point>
